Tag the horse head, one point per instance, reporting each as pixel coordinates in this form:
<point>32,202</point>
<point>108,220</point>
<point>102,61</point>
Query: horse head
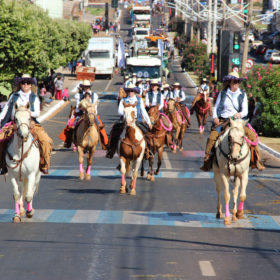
<point>129,114</point>
<point>236,137</point>
<point>22,120</point>
<point>204,94</point>
<point>154,114</point>
<point>171,105</point>
<point>90,111</point>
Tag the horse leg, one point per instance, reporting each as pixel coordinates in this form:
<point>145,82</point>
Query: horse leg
<point>123,188</point>
<point>81,162</point>
<point>22,198</point>
<point>30,189</point>
<point>219,184</point>
<point>242,197</point>
<point>159,151</point>
<point>150,175</point>
<point>89,162</point>
<point>182,132</point>
<point>16,218</point>
<point>234,196</point>
<point>225,181</point>
<point>204,121</point>
<point>142,168</point>
<point>136,165</point>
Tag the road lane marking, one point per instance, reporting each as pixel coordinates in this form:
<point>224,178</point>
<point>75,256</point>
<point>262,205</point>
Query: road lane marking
<point>109,83</point>
<point>147,218</point>
<point>64,173</point>
<point>206,268</point>
<point>166,160</point>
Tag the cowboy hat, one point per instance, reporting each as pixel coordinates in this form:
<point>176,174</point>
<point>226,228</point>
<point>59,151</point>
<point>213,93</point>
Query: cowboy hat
<point>134,74</point>
<point>131,87</point>
<point>85,83</point>
<point>155,82</point>
<point>147,80</point>
<point>26,78</point>
<point>204,80</point>
<point>232,76</point>
<point>139,80</point>
<point>126,77</point>
<point>165,86</point>
<point>176,85</point>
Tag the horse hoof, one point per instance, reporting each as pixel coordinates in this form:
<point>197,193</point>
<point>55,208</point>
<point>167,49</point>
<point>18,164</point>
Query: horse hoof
<point>218,215</point>
<point>88,177</point>
<point>152,178</point>
<point>123,190</point>
<point>227,221</point>
<point>16,219</point>
<point>156,172</point>
<point>181,149</point>
<point>148,177</point>
<point>239,214</point>
<point>29,214</point>
<point>133,191</point>
<point>234,218</point>
<point>22,213</point>
<point>142,174</point>
<point>82,176</point>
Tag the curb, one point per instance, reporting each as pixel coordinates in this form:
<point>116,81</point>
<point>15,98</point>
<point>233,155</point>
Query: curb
<point>51,111</point>
<point>269,150</point>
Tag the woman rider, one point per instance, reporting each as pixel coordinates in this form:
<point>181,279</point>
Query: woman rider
<point>231,102</point>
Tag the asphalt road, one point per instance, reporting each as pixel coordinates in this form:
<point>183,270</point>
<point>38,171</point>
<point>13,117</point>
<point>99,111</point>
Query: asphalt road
<point>87,230</point>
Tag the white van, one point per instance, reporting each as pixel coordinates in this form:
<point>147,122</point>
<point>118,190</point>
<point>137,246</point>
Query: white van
<point>101,55</point>
<point>140,33</point>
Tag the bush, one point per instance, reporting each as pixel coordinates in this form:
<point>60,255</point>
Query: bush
<point>264,82</point>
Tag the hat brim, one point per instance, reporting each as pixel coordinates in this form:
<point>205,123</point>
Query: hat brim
<point>155,84</point>
<point>179,86</point>
<point>19,80</point>
<point>230,78</point>
<point>131,89</point>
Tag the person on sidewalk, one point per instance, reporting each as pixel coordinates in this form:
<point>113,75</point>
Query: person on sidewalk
<point>231,103</point>
<point>22,96</point>
<point>58,88</point>
<point>154,96</point>
<point>141,115</point>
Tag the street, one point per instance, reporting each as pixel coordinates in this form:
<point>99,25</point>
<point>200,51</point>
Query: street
<point>86,230</point>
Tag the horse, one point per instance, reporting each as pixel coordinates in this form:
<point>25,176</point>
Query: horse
<point>202,107</point>
<point>233,159</point>
<point>86,137</point>
<point>156,141</point>
<point>131,149</point>
<point>23,159</point>
<point>179,123</point>
<point>122,94</point>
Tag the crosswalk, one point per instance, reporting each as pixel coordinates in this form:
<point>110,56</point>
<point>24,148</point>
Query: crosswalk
<point>144,218</point>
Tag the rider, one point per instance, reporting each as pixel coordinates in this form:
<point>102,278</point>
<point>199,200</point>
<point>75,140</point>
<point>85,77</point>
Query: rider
<point>22,96</point>
<point>154,96</point>
<point>139,86</point>
<point>179,95</point>
<point>134,79</point>
<point>203,88</point>
<point>127,81</point>
<point>166,91</point>
<point>86,89</point>
<point>231,102</point>
<point>141,115</point>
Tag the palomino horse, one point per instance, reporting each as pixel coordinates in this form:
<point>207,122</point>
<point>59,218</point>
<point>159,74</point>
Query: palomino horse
<point>23,158</point>
<point>202,107</point>
<point>156,141</point>
<point>179,123</point>
<point>86,137</point>
<point>233,159</point>
<point>122,94</point>
<point>131,149</point>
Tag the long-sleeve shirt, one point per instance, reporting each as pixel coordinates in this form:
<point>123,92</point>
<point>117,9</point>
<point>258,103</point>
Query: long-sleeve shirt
<point>78,100</point>
<point>22,101</point>
<point>176,94</point>
<point>231,105</point>
<point>133,100</point>
<point>154,100</point>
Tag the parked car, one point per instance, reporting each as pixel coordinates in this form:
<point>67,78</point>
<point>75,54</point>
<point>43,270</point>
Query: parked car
<point>261,50</point>
<point>268,54</point>
<point>275,57</point>
<point>254,46</point>
<point>251,37</point>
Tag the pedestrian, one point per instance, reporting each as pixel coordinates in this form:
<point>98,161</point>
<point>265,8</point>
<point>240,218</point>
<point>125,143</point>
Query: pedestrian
<point>74,65</point>
<point>58,88</point>
<point>65,94</point>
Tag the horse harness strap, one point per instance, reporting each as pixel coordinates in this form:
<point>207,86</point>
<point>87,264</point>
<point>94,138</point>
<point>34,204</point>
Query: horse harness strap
<point>132,145</point>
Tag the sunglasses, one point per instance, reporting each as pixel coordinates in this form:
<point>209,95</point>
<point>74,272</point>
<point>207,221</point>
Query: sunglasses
<point>25,82</point>
<point>236,81</point>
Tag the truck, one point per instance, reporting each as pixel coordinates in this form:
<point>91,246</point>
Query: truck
<point>139,33</point>
<point>144,67</point>
<point>141,14</point>
<point>100,55</point>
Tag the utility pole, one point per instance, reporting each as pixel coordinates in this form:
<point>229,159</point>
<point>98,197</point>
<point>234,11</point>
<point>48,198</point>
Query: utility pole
<point>209,27</point>
<point>192,22</point>
<point>246,42</point>
<point>224,16</point>
<point>214,45</point>
<point>198,23</point>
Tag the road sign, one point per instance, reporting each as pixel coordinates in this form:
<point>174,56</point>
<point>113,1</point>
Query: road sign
<point>235,69</point>
<point>250,63</point>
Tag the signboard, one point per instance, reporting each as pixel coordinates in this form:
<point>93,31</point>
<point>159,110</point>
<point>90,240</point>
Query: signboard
<point>235,69</point>
<point>250,63</point>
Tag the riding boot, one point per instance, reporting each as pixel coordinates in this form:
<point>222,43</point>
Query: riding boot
<point>69,137</point>
<point>257,159</point>
<point>3,167</point>
<point>208,159</point>
<point>207,163</point>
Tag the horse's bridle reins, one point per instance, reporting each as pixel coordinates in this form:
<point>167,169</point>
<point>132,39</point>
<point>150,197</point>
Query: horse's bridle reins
<point>18,162</point>
<point>228,156</point>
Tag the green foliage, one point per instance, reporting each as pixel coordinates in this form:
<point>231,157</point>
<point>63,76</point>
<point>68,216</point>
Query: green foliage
<point>264,82</point>
<point>195,58</point>
<point>32,42</point>
<point>95,11</point>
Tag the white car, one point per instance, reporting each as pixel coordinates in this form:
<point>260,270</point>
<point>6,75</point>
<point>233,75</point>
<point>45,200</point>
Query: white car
<point>251,37</point>
<point>268,54</point>
<point>275,57</point>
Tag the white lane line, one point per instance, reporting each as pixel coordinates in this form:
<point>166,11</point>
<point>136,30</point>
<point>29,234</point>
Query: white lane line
<point>167,161</point>
<point>206,268</point>
<point>106,88</point>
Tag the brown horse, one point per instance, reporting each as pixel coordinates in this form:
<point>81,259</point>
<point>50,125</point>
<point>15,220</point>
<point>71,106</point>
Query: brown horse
<point>179,123</point>
<point>131,149</point>
<point>202,107</point>
<point>86,136</point>
<point>155,142</point>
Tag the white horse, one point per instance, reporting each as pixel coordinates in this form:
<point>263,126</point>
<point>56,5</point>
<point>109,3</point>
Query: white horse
<point>23,158</point>
<point>131,149</point>
<point>233,159</point>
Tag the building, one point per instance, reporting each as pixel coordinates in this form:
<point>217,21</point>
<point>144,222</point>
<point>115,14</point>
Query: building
<point>54,7</point>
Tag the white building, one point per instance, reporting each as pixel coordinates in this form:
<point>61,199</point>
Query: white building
<point>54,7</point>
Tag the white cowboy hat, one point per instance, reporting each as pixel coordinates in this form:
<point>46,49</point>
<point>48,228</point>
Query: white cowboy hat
<point>131,87</point>
<point>155,82</point>
<point>86,83</point>
<point>176,85</point>
<point>126,77</point>
<point>134,74</point>
<point>165,86</point>
<point>139,80</point>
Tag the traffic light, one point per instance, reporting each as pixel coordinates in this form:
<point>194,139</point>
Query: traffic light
<point>114,4</point>
<point>236,42</point>
<point>245,7</point>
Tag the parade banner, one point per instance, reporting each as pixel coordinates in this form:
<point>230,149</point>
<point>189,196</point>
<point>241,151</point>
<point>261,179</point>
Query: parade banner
<point>121,54</point>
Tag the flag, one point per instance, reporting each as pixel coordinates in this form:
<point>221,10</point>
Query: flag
<point>160,48</point>
<point>121,54</point>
